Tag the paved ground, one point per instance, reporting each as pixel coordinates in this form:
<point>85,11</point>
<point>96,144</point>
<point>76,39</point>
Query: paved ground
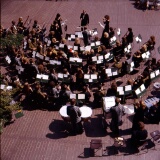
<point>41,135</point>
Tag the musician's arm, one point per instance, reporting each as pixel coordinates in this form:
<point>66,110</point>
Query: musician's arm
<point>101,25</point>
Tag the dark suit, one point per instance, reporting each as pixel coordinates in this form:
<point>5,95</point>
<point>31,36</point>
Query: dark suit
<point>86,37</point>
<point>84,19</point>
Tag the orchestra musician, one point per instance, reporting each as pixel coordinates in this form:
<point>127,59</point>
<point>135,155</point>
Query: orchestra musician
<point>20,25</point>
<point>59,19</point>
<point>84,17</point>
<point>106,21</point>
<point>86,36</point>
<point>129,36</point>
<point>13,28</point>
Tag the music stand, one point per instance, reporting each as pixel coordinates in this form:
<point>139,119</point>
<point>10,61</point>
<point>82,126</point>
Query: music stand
<point>20,69</point>
<point>140,91</point>
<point>139,39</point>
<point>42,78</point>
<point>113,41</point>
<point>63,78</point>
<point>79,97</point>
<point>109,56</point>
<point>119,33</point>
<point>8,60</point>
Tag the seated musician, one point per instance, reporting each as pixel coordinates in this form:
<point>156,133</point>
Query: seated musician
<point>54,42</point>
<point>77,43</point>
<point>151,43</point>
<point>79,78</point>
<point>105,39</point>
<point>87,93</point>
<point>143,49</point>
<point>20,25</point>
<point>65,46</point>
<point>137,58</point>
<point>118,64</point>
<point>111,32</point>
<point>118,50</point>
<point>32,44</point>
<point>146,79</point>
<point>98,96</point>
<point>13,28</point>
<point>113,90</point>
<point>140,134</point>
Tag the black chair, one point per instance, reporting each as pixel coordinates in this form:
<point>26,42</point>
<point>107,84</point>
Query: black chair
<point>155,137</point>
<point>95,145</point>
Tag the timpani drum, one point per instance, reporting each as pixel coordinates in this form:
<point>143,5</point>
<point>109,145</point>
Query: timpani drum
<point>86,113</point>
<point>63,113</point>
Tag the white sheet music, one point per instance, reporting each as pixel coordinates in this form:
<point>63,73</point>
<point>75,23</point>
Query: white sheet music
<point>157,72</point>
<point>93,76</point>
<point>45,77</point>
<point>128,88</point>
<point>86,76</point>
<point>75,48</point>
<point>73,36</point>
<point>132,64</point>
<point>9,87</point>
<point>94,58</point>
<point>82,48</point>
<point>119,89</point>
<point>108,102</point>
<point>115,73</point>
<point>92,44</point>
<point>2,86</point>
<point>39,76</point>
<point>100,57</point>
<point>65,75</point>
<point>87,48</point>
<point>61,45</point>
<point>72,96</point>
<point>152,75</point>
<point>98,43</point>
<point>46,40</point>
<point>60,75</point>
<point>37,55</point>
<point>108,70</point>
<point>107,56</point>
<point>8,59</point>
<point>137,91</point>
<point>47,58</point>
<point>41,57</point>
<point>90,80</point>
<point>142,87</point>
<point>81,96</point>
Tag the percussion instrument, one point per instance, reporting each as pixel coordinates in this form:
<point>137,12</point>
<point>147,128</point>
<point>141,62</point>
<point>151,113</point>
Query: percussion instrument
<point>86,112</point>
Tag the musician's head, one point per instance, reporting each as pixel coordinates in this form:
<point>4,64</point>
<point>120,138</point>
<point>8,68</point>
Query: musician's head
<point>73,101</point>
<point>20,19</point>
<point>117,100</point>
<point>35,22</point>
<point>77,41</point>
<point>106,17</point>
<point>152,38</point>
<point>106,35</point>
<point>13,22</point>
<point>84,12</point>
<point>111,29</point>
<point>58,15</point>
<point>141,125</point>
<point>130,29</point>
<point>118,43</point>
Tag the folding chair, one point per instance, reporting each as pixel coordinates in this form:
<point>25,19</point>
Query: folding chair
<point>95,145</point>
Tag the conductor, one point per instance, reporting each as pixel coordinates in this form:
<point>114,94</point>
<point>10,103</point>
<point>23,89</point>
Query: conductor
<point>84,17</point>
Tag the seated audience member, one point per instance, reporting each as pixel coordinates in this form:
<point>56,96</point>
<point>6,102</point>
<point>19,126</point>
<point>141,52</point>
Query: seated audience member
<point>139,135</point>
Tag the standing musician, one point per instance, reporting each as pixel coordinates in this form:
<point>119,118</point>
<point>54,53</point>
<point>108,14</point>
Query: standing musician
<point>20,25</point>
<point>129,36</point>
<point>59,19</point>
<point>84,19</point>
<point>13,28</point>
<point>106,21</point>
